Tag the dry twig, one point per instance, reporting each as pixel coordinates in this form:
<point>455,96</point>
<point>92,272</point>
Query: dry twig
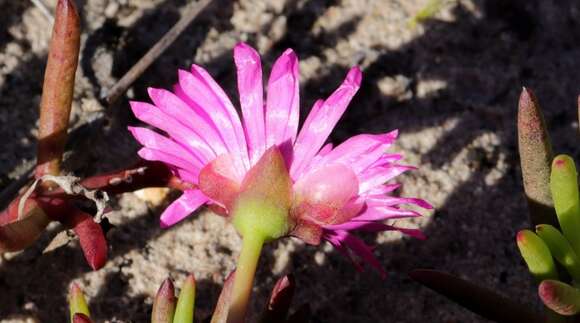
<point>125,82</point>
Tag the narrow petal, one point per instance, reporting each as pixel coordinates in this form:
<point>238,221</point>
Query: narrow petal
<point>373,226</point>
<point>203,91</point>
<point>228,108</point>
<point>162,156</point>
<point>360,152</point>
<point>382,189</point>
<point>172,105</point>
<point>155,141</point>
<point>379,227</point>
<point>321,121</point>
<point>317,161</point>
<point>249,68</point>
<point>186,204</point>
<point>382,200</point>
<point>379,175</point>
<point>363,251</point>
<point>152,115</point>
<point>378,213</point>
<point>282,105</point>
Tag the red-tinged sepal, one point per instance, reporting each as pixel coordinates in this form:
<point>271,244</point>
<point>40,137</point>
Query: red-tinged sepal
<point>263,206</point>
<point>217,180</point>
<point>307,231</point>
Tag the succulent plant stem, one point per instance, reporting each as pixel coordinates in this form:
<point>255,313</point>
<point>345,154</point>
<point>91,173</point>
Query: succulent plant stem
<point>244,279</point>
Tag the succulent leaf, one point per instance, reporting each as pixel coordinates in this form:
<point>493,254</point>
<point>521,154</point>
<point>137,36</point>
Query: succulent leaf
<point>164,304</point>
<point>91,238</point>
<point>536,156</point>
<point>536,255</point>
<point>58,88</point>
<point>560,248</point>
<point>186,302</point>
<point>77,302</point>
<point>564,185</point>
<point>560,297</point>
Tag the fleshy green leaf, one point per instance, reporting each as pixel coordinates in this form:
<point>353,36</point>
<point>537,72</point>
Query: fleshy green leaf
<point>164,304</point>
<point>564,185</point>
<point>560,297</point>
<point>477,299</point>
<point>536,156</point>
<point>186,302</point>
<point>560,248</point>
<point>77,302</point>
<point>537,255</point>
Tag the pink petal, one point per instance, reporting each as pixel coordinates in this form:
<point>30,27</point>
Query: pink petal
<point>332,185</point>
<point>159,155</point>
<point>380,213</point>
<point>325,150</point>
<point>379,175</point>
<point>186,204</point>
<point>360,152</point>
<point>317,160</point>
<point>321,121</point>
<point>186,137</point>
<point>251,92</point>
<point>172,105</point>
<point>204,92</point>
<point>382,189</point>
<point>363,251</point>
<point>375,227</point>
<point>382,200</point>
<point>155,141</point>
<point>337,242</point>
<point>282,106</point>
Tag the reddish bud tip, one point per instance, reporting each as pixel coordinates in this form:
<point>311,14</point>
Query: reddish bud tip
<point>81,318</point>
<point>560,161</point>
<point>164,304</point>
<point>521,236</point>
<point>560,297</point>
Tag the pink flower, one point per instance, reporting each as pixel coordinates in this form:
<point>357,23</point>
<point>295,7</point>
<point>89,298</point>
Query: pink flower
<point>335,190</point>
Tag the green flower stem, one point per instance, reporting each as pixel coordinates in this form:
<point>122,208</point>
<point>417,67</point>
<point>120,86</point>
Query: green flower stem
<point>244,279</point>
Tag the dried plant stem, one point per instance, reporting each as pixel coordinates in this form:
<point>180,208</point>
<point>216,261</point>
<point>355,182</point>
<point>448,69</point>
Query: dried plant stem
<point>57,90</point>
<point>127,80</point>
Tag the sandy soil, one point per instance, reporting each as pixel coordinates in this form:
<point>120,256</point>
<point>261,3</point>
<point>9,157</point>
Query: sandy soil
<point>450,86</point>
